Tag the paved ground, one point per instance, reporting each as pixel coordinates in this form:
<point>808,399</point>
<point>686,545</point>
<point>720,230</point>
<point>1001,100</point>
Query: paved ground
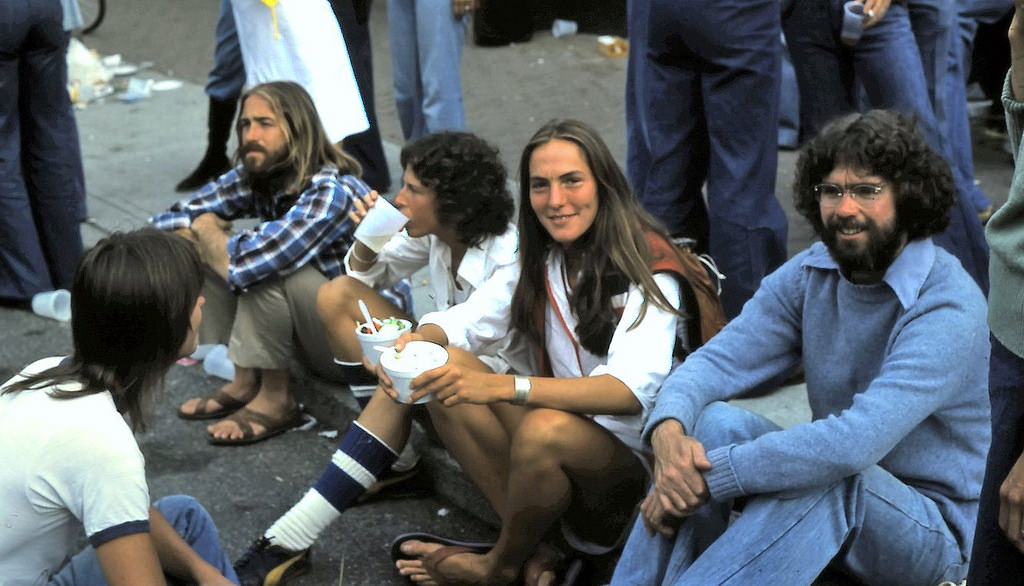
<point>135,153</point>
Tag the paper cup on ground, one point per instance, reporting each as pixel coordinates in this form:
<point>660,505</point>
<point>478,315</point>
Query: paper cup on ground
<point>53,304</point>
<point>416,358</point>
<point>853,23</point>
<point>382,222</point>
<point>388,331</point>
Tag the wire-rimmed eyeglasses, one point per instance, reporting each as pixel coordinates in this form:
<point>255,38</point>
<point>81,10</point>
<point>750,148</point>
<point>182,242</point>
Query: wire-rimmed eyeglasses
<point>829,195</point>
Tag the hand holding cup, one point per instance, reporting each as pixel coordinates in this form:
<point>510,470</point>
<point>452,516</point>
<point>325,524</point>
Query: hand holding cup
<point>378,223</point>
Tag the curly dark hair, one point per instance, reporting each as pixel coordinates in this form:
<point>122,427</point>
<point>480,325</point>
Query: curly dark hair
<point>469,180</point>
<point>887,144</point>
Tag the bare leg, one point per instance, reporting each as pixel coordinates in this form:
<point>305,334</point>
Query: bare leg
<point>273,399</point>
<point>554,455</point>
<point>337,302</point>
<point>388,420</point>
<point>478,436</point>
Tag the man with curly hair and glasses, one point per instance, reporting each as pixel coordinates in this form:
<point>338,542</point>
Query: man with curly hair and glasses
<point>882,484</point>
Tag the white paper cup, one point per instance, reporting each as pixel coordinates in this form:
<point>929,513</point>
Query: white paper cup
<point>53,304</point>
<point>382,222</point>
<point>218,364</point>
<point>416,358</point>
<point>368,341</point>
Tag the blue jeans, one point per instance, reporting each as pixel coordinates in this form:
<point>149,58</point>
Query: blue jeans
<point>994,560</point>
<point>870,525</point>
<point>188,518</point>
<point>886,62</point>
<point>720,63</point>
<point>42,186</point>
<point>227,78</point>
<point>426,47</point>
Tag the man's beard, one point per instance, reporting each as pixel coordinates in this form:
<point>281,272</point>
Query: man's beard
<point>270,176</point>
<point>874,255</point>
<point>271,164</point>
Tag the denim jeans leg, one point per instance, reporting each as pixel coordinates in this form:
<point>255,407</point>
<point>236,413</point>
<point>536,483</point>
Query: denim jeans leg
<point>227,77</point>
<point>22,271</point>
<point>405,72</point>
<point>191,521</point>
<point>440,36</point>
<point>889,66</point>
<point>824,69</point>
<point>933,23</point>
<point>638,151</point>
<point>957,126</point>
<point>740,91</point>
<point>655,559</point>
<point>676,129</point>
<point>42,185</point>
<point>878,529</point>
<point>994,560</point>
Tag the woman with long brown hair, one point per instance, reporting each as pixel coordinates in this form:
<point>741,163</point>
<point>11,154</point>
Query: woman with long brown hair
<point>599,298</point>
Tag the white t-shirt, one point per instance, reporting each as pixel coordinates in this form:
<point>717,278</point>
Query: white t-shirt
<point>299,40</point>
<point>67,465</point>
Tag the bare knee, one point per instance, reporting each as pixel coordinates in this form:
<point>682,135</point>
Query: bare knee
<point>542,433</point>
<point>333,297</point>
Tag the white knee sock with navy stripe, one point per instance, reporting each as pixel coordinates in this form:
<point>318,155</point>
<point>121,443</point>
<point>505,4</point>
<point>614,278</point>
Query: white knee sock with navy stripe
<point>360,458</point>
<point>360,381</point>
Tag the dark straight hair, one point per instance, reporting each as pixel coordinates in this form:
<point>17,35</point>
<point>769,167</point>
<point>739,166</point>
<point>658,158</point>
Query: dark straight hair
<point>131,304</point>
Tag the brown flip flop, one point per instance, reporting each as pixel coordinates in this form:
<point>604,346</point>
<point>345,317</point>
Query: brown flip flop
<point>228,405</point>
<point>273,426</point>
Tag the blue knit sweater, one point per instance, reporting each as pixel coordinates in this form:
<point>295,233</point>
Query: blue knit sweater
<point>897,375</point>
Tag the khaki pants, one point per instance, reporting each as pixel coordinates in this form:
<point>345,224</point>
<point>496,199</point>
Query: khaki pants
<point>268,325</point>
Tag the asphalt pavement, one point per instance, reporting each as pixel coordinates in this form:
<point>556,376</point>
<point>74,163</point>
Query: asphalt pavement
<point>134,153</point>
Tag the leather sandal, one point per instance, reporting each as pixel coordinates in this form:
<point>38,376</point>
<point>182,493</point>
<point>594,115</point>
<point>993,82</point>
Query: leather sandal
<point>272,426</point>
<point>228,405</point>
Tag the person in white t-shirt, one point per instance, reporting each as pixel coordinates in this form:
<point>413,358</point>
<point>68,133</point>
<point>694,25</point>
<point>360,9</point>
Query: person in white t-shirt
<point>70,461</point>
<point>599,298</point>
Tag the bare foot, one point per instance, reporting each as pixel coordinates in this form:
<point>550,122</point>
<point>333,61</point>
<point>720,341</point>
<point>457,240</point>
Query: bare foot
<point>265,403</point>
<point>240,390</point>
<point>461,568</point>
<point>540,569</point>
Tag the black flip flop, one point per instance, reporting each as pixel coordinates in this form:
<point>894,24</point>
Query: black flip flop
<point>396,544</point>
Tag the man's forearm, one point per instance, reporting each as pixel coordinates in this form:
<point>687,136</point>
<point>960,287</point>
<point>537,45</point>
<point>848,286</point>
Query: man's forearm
<point>176,557</point>
<point>212,235</point>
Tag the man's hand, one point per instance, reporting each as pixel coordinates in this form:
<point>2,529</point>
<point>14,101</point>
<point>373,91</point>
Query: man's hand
<point>361,207</point>
<point>212,234</point>
<point>461,7</point>
<point>1011,503</point>
<point>874,10</point>
<point>210,222</point>
<point>679,486</point>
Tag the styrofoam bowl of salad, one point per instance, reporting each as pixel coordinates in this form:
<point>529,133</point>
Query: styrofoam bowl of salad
<point>388,330</point>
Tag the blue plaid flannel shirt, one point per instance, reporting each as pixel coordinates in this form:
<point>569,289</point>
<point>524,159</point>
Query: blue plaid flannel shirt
<point>311,228</point>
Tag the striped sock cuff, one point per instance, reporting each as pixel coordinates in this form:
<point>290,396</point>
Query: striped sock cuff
<point>360,381</point>
<point>360,458</point>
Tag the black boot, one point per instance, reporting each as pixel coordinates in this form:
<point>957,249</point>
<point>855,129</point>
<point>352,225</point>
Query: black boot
<point>215,162</point>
